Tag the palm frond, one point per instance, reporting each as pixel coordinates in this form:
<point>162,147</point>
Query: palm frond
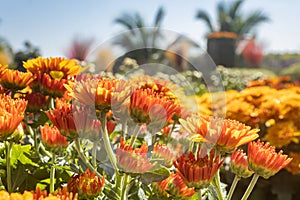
<point>159,17</point>
<point>202,15</point>
<point>234,8</point>
<point>252,20</point>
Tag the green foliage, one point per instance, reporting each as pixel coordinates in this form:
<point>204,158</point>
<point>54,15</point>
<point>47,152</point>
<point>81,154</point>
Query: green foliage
<point>292,71</point>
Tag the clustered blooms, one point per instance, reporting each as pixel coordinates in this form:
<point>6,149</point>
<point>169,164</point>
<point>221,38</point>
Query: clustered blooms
<point>271,105</point>
<point>61,194</point>
<point>100,103</point>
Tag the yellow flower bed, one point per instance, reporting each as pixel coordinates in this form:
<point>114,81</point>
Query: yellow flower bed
<point>275,111</point>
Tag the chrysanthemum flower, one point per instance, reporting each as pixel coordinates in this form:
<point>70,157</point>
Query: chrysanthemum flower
<point>90,185</point>
<point>84,89</point>
<point>239,164</point>
<point>52,138</point>
<point>51,74</point>
<point>226,134</point>
<point>87,185</point>
<point>147,107</point>
<point>133,160</point>
<point>174,187</point>
<point>36,102</point>
<point>163,153</point>
<point>61,194</point>
<point>11,115</point>
<point>13,79</point>
<point>58,68</point>
<point>62,118</point>
<point>264,160</point>
<point>197,171</point>
<point>74,121</point>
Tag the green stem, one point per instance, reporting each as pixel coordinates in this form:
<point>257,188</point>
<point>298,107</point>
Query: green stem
<point>123,188</point>
<point>250,187</point>
<point>86,162</point>
<point>52,173</point>
<point>233,186</point>
<point>134,135</point>
<point>217,184</point>
<point>8,165</point>
<point>94,154</point>
<point>107,143</point>
<point>199,195</point>
<point>124,129</point>
<point>170,132</point>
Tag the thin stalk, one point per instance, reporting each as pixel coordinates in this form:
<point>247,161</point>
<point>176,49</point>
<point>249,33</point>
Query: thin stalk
<point>52,173</point>
<point>217,184</point>
<point>170,132</point>
<point>123,188</point>
<point>250,187</point>
<point>233,186</point>
<point>84,159</point>
<point>199,195</point>
<point>8,165</point>
<point>107,144</point>
<point>94,154</point>
<point>124,129</point>
<point>134,135</point>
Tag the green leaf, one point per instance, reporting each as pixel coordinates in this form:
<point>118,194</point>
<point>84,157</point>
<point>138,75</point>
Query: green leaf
<point>20,153</point>
<point>156,175</point>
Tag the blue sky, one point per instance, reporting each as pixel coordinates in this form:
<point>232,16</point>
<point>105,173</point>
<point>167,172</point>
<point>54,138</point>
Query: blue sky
<point>52,24</point>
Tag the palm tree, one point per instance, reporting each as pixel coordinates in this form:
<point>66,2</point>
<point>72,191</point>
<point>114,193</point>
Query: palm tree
<point>230,18</point>
<point>140,40</point>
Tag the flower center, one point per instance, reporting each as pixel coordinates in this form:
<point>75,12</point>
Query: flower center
<point>57,74</point>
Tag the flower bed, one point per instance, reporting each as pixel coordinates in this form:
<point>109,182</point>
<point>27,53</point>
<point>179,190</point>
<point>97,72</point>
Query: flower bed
<point>67,135</point>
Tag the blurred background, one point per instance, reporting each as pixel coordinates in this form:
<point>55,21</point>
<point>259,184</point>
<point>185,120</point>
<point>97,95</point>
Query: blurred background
<point>252,42</point>
<point>265,32</point>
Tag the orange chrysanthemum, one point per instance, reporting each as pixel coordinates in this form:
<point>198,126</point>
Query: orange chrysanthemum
<point>148,107</point>
<point>197,171</point>
<point>90,185</point>
<point>61,194</point>
<point>74,121</point>
<point>133,160</point>
<point>163,153</point>
<point>36,102</point>
<point>226,134</point>
<point>57,68</point>
<point>173,187</point>
<point>14,79</point>
<point>51,74</point>
<point>87,185</point>
<point>11,115</point>
<point>94,91</point>
<point>52,138</point>
<point>264,160</point>
<point>62,118</point>
<point>239,164</point>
